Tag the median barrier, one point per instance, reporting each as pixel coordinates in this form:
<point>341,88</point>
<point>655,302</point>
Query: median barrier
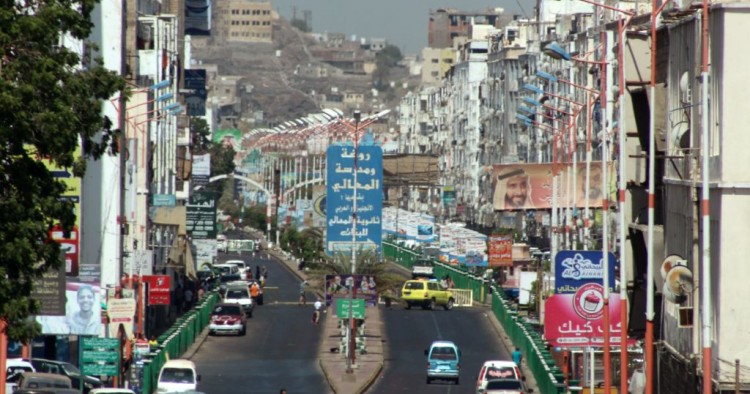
<point>177,339</point>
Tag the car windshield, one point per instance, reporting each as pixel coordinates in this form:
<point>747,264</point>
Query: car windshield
<point>235,294</point>
<point>224,310</point>
<point>14,373</point>
<point>443,353</point>
<point>70,369</point>
<point>414,286</point>
<point>230,278</point>
<point>177,375</point>
<point>504,384</point>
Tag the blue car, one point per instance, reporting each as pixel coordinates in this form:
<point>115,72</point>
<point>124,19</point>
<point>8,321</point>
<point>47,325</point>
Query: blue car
<point>443,361</point>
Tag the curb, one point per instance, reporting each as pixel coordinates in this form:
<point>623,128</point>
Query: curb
<point>190,352</point>
<point>371,380</point>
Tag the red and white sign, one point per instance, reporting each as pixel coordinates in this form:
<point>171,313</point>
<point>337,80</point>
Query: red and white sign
<point>158,289</point>
<point>575,320</point>
<point>69,247</point>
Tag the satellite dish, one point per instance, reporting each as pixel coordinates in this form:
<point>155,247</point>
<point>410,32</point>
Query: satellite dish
<point>670,262</point>
<point>678,284</point>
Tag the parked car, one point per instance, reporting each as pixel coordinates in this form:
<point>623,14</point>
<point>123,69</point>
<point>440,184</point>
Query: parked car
<point>427,294</point>
<point>112,391</point>
<point>239,293</point>
<point>14,367</point>
<point>44,383</point>
<point>69,370</point>
<point>504,386</point>
<point>443,361</point>
<point>227,318</point>
<point>178,376</point>
<point>497,369</point>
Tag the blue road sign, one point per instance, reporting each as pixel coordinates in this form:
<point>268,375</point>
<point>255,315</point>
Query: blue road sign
<point>575,268</point>
<point>340,196</point>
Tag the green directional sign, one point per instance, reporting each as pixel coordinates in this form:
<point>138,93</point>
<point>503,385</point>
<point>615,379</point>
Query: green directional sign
<point>100,356</point>
<point>342,308</point>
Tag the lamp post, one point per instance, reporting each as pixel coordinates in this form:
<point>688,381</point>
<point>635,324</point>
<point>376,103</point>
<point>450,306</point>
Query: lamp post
<point>353,293</point>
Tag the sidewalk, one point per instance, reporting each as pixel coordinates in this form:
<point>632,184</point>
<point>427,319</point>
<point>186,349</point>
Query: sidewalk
<point>367,366</point>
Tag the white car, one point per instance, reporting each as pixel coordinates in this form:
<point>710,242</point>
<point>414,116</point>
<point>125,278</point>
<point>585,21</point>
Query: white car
<point>497,369</point>
<point>241,266</point>
<point>14,367</point>
<point>239,293</point>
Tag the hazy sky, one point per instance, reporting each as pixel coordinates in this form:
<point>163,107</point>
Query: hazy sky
<point>402,22</point>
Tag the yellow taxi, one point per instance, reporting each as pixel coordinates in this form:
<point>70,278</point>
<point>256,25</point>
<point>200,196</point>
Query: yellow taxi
<point>426,293</point>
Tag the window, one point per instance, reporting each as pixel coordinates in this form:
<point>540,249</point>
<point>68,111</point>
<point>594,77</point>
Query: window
<point>414,286</point>
<point>435,61</point>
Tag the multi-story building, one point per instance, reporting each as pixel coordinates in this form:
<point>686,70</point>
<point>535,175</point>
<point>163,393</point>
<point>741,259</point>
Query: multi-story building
<point>435,63</point>
<point>447,24</point>
<point>244,21</point>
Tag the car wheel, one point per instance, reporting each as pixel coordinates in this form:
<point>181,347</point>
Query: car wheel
<point>431,304</point>
<point>429,380</point>
<point>250,314</point>
<point>457,382</point>
<point>449,305</point>
<point>407,305</point>
<point>243,331</point>
<point>211,333</point>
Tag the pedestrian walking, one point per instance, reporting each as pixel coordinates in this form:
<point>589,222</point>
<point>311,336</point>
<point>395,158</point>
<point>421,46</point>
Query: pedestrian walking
<point>316,314</point>
<point>257,271</point>
<point>517,357</point>
<point>302,296</point>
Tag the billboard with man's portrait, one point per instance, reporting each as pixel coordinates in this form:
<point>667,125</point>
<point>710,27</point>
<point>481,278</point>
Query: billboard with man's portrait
<point>529,186</point>
<point>83,312</point>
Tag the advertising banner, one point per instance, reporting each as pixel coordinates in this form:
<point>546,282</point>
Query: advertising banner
<point>529,186</point>
<point>500,251</point>
<point>121,311</point>
<point>201,169</point>
<point>341,286</point>
<point>461,246</point>
<point>139,262</point>
<point>575,268</point>
<point>83,314</point>
<point>340,198</point>
<point>158,289</point>
<point>575,320</point>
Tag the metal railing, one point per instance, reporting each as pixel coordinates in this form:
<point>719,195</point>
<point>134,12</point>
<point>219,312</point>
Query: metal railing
<point>176,340</point>
<point>548,376</point>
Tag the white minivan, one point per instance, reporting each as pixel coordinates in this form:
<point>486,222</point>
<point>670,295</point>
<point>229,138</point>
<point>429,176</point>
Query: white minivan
<point>177,376</point>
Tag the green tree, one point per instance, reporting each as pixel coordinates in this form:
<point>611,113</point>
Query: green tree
<point>49,105</point>
<point>385,60</point>
<point>199,132</point>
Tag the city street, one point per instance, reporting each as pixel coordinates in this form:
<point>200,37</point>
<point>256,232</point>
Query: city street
<point>410,332</point>
<point>280,349</point>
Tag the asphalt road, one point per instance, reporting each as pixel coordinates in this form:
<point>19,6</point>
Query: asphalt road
<point>280,349</point>
<point>410,332</point>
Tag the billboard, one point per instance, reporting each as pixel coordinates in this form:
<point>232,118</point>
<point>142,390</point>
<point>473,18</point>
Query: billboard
<point>340,197</point>
<point>576,268</point>
<point>500,250</point>
<point>529,186</point>
<point>201,169</point>
<point>158,289</point>
<point>319,206</point>
<point>83,312</point>
<point>200,217</point>
<point>575,319</point>
<point>341,286</point>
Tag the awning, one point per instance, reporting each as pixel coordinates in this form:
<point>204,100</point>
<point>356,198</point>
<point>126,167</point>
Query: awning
<point>181,258</point>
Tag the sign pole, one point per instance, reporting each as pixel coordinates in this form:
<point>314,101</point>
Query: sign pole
<point>353,292</point>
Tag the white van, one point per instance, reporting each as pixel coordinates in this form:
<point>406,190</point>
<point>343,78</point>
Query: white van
<point>14,367</point>
<point>177,376</point>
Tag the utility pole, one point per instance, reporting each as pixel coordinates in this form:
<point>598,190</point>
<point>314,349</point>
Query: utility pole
<point>353,292</point>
